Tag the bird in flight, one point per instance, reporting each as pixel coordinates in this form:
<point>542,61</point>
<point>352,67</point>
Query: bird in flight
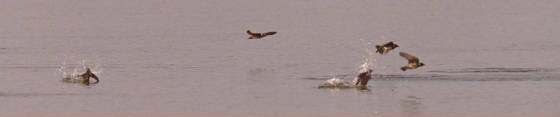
<point>385,48</point>
<point>259,35</point>
<point>413,61</point>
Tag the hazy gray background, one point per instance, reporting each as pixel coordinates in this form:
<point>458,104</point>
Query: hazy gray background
<point>193,57</point>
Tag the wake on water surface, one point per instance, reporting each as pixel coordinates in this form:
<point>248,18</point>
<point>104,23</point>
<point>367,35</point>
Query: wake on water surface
<point>464,74</point>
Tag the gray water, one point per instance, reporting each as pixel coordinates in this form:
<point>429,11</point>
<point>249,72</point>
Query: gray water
<point>193,57</point>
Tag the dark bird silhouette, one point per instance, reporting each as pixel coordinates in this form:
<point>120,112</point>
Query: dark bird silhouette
<point>88,74</point>
<point>385,48</point>
<point>363,78</point>
<point>259,35</point>
<point>413,61</point>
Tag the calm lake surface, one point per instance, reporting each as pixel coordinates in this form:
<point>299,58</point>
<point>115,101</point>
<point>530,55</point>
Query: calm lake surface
<point>193,56</point>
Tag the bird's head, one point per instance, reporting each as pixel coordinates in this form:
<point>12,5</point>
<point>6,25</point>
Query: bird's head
<point>88,70</point>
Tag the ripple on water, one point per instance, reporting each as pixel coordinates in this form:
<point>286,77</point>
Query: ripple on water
<point>469,77</point>
<point>327,77</point>
<point>489,76</point>
<point>494,70</point>
<point>170,67</point>
<point>27,67</point>
<point>17,95</point>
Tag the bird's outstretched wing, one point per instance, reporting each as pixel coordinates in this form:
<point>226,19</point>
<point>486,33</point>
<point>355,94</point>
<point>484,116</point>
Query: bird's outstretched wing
<point>410,58</point>
<point>95,77</point>
<point>389,43</point>
<point>270,33</point>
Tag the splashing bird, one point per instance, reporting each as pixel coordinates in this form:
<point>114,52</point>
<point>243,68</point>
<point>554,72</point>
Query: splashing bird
<point>413,61</point>
<point>83,78</point>
<point>363,78</point>
<point>385,48</point>
<point>259,35</point>
<point>360,82</point>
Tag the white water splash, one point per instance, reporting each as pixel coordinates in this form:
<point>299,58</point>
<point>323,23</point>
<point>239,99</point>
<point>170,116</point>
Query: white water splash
<point>62,68</point>
<point>368,62</point>
<point>335,83</point>
<point>368,57</point>
<point>65,73</point>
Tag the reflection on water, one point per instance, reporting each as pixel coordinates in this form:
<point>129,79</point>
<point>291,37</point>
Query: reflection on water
<point>257,71</point>
<point>355,89</point>
<point>411,105</point>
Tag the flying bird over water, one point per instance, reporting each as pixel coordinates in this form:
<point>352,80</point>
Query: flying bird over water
<point>259,35</point>
<point>382,49</point>
<point>413,61</point>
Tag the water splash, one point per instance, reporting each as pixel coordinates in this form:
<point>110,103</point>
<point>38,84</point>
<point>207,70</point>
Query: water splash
<point>367,58</point>
<point>368,62</point>
<point>336,83</point>
<point>65,69</point>
<point>62,68</point>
